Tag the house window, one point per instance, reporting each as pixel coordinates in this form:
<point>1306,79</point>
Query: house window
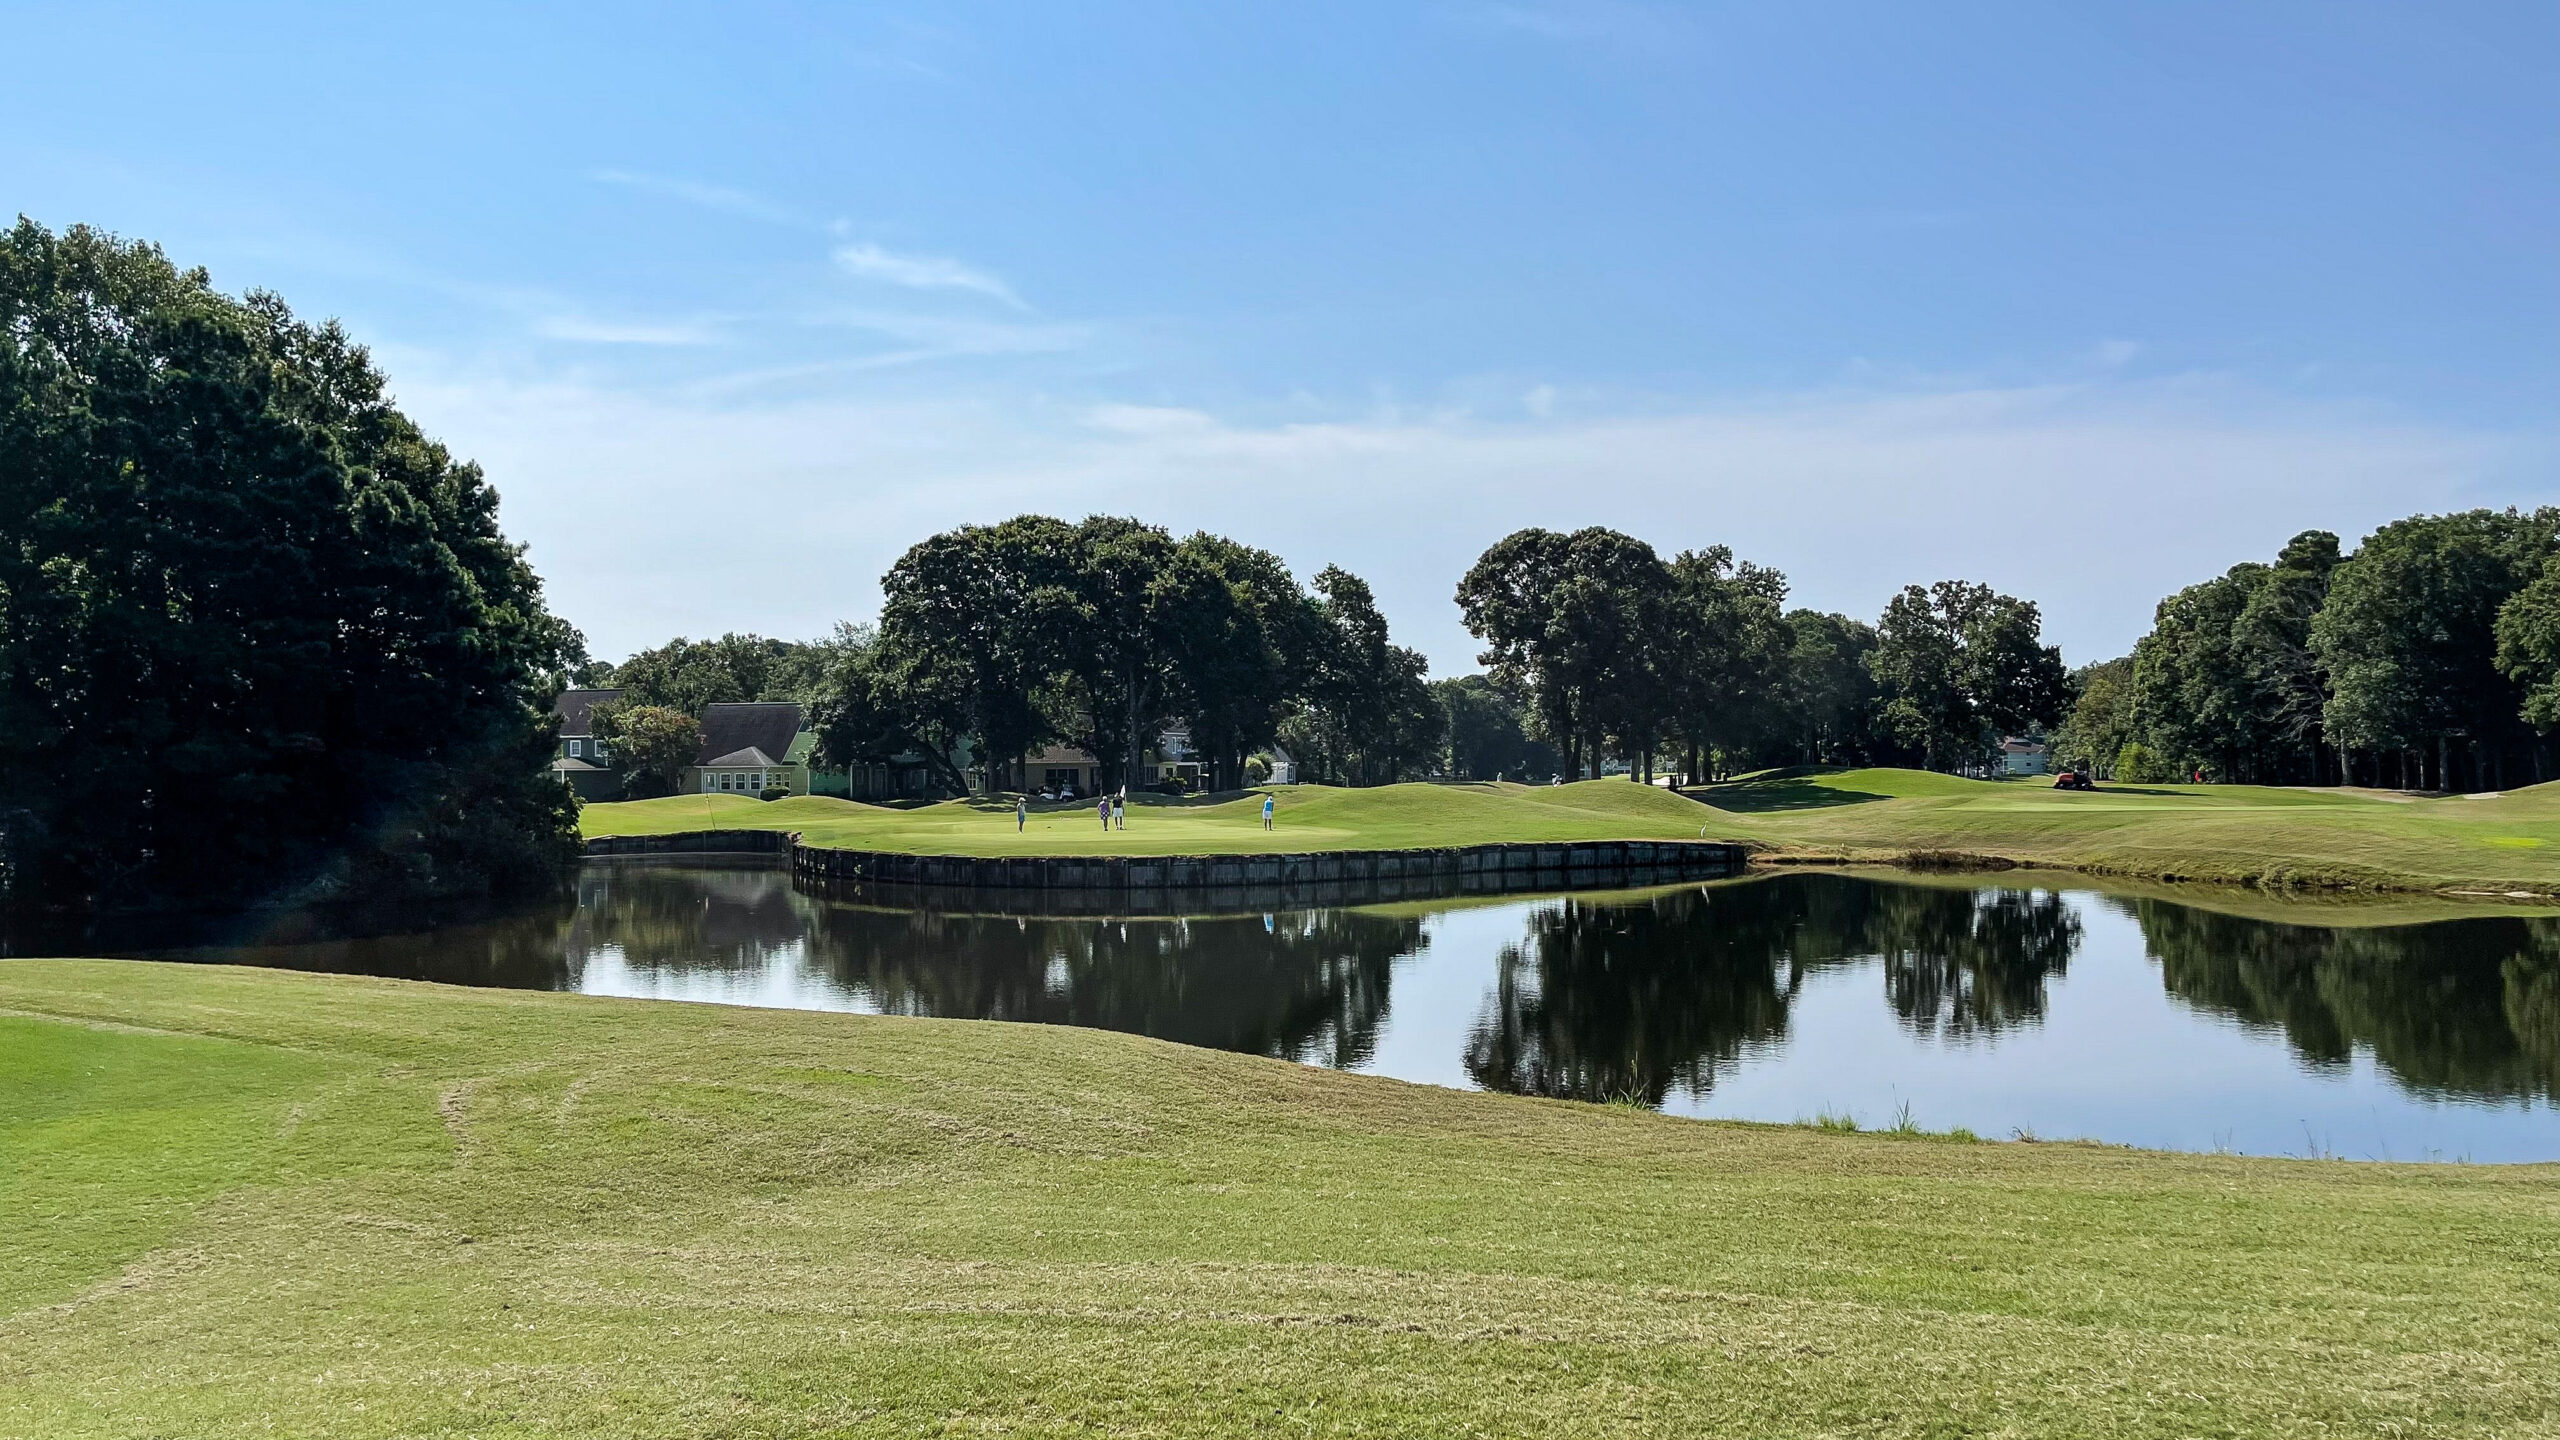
<point>577,748</point>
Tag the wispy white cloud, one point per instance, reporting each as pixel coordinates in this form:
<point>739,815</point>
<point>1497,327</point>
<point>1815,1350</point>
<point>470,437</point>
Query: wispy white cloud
<point>709,197</point>
<point>922,272</point>
<point>625,332</point>
<point>1852,493</point>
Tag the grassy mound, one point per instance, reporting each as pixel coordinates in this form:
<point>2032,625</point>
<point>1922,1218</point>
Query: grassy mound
<point>2248,834</point>
<point>1310,817</point>
<point>2256,834</point>
<point>245,1202</point>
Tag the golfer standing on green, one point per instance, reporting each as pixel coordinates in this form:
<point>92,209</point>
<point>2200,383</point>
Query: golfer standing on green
<point>1266,812</point>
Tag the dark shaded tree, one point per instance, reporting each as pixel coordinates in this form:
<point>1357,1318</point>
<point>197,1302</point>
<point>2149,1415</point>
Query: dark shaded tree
<point>260,638</point>
<point>1488,727</point>
<point>867,713</point>
<point>1826,708</point>
<point>2528,633</point>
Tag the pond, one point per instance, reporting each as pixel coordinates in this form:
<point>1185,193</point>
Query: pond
<point>2007,1007</point>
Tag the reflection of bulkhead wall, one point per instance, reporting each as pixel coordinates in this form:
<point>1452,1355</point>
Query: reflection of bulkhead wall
<point>1471,869</point>
<point>1605,862</point>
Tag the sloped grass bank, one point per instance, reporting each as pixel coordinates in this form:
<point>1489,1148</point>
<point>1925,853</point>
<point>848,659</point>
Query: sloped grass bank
<point>2266,836</point>
<point>1310,817</point>
<point>245,1202</point>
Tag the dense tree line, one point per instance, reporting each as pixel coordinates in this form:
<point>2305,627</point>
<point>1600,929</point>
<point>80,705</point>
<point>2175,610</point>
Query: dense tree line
<point>1597,646</point>
<point>260,639</point>
<point>995,639</point>
<point>2429,658</point>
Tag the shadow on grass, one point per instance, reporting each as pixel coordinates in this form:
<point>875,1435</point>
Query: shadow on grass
<point>1753,797</point>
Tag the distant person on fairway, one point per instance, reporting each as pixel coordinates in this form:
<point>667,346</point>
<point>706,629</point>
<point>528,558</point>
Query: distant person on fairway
<point>1120,809</point>
<point>1266,812</point>
<point>1102,807</point>
<point>1021,812</point>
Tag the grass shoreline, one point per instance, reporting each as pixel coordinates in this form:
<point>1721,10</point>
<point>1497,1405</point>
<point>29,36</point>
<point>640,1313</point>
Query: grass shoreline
<point>2272,839</point>
<point>250,1202</point>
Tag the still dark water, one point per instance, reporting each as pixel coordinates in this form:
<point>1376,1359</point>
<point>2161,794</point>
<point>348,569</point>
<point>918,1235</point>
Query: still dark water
<point>2059,1013</point>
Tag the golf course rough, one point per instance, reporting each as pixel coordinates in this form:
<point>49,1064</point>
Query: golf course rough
<point>245,1202</point>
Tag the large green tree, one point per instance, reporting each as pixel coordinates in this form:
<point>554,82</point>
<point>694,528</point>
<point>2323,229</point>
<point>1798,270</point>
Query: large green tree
<point>2528,631</point>
<point>2408,637</point>
<point>1488,727</point>
<point>687,675</point>
<point>2100,722</point>
<point>1245,640</point>
<point>2227,680</point>
<point>867,712</point>
<point>1961,664</point>
<point>650,744</point>
<point>1826,699</point>
<point>1722,655</point>
<point>975,625</point>
<point>2194,699</point>
<point>1579,622</point>
<point>260,638</point>
<point>1368,716</point>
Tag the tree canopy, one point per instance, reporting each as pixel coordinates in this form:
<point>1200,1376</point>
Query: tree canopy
<point>2425,658</point>
<point>1961,665</point>
<point>1104,633</point>
<point>260,638</point>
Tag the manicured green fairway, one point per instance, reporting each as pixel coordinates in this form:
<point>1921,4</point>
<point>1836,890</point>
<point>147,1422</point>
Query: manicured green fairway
<point>248,1203</point>
<point>2252,834</point>
<point>2255,834</point>
<point>1309,817</point>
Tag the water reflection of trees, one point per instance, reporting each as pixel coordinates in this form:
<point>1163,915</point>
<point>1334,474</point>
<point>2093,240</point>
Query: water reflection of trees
<point>522,951</point>
<point>1309,985</point>
<point>1963,963</point>
<point>691,920</point>
<point>1612,1001</point>
<point>2466,1008</point>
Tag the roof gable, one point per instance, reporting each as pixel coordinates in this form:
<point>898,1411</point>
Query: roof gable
<point>577,708</point>
<point>766,725</point>
<point>751,757</point>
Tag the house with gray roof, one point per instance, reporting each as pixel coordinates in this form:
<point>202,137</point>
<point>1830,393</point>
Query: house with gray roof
<point>582,764</point>
<point>751,747</point>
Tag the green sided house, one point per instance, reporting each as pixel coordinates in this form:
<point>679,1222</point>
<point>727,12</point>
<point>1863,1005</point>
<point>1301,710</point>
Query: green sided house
<point>752,747</point>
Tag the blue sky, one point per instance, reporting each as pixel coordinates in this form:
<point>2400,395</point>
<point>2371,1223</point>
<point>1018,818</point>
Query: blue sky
<point>736,302</point>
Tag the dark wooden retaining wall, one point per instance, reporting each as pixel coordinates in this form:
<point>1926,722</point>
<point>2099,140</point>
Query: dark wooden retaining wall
<point>777,843</point>
<point>1178,883</point>
<point>1579,863</point>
